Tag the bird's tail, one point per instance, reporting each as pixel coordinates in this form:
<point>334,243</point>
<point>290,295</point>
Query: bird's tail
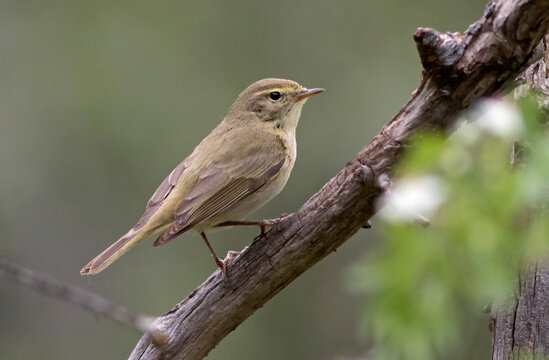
<point>113,252</point>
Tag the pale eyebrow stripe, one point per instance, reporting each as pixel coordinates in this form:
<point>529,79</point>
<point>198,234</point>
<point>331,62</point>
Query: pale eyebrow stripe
<point>280,90</point>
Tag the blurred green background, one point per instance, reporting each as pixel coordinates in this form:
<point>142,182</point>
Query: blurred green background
<point>99,100</point>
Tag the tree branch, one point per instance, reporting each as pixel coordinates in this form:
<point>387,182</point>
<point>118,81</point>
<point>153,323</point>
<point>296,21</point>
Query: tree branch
<point>85,299</point>
<point>521,324</point>
<point>458,70</point>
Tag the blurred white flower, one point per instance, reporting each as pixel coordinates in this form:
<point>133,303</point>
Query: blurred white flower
<point>493,116</point>
<point>411,199</point>
<point>499,118</point>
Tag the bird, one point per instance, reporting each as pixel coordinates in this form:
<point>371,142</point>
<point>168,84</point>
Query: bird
<point>241,165</point>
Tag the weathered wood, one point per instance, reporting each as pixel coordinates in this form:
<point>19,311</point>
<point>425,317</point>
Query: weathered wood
<point>520,326</point>
<point>458,70</point>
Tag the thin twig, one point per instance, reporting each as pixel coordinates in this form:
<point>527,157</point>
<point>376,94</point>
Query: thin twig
<point>94,303</point>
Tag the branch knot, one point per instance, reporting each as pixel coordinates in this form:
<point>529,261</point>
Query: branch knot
<point>438,50</point>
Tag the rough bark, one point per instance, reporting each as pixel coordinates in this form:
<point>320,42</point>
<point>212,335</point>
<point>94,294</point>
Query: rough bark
<point>458,70</point>
<point>520,326</point>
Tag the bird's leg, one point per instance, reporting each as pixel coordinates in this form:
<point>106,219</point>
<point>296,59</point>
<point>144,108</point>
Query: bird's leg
<point>263,223</point>
<point>261,232</point>
<point>231,255</point>
<point>217,260</point>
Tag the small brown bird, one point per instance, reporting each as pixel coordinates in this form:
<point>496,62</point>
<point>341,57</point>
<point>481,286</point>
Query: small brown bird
<point>242,164</point>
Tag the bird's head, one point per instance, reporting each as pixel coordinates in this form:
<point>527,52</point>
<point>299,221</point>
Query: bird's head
<point>273,102</point>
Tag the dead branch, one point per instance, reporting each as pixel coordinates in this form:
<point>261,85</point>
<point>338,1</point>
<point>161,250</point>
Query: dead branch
<point>94,303</point>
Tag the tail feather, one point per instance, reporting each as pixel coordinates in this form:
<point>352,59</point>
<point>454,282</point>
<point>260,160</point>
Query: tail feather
<point>113,252</point>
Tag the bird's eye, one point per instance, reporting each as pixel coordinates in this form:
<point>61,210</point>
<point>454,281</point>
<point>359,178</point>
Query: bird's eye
<point>275,95</point>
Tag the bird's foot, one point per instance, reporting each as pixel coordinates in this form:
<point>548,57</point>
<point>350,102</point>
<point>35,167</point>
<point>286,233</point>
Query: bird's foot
<point>223,267</point>
<point>272,222</point>
<point>231,255</point>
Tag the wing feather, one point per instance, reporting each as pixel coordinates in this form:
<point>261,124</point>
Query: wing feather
<point>162,192</point>
<point>221,186</point>
<point>168,184</point>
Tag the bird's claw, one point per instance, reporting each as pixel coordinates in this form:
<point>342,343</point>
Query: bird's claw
<point>269,222</point>
<point>231,255</point>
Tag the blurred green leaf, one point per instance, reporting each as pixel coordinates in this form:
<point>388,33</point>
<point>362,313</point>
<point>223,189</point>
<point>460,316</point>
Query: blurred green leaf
<point>424,283</point>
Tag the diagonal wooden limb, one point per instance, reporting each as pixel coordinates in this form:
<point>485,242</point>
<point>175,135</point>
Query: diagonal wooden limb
<point>458,70</point>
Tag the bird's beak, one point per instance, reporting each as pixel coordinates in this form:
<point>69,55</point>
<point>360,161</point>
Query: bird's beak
<point>305,93</point>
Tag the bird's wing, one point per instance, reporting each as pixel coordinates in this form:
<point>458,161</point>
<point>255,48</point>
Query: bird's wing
<point>162,192</point>
<point>220,186</point>
<point>169,183</point>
